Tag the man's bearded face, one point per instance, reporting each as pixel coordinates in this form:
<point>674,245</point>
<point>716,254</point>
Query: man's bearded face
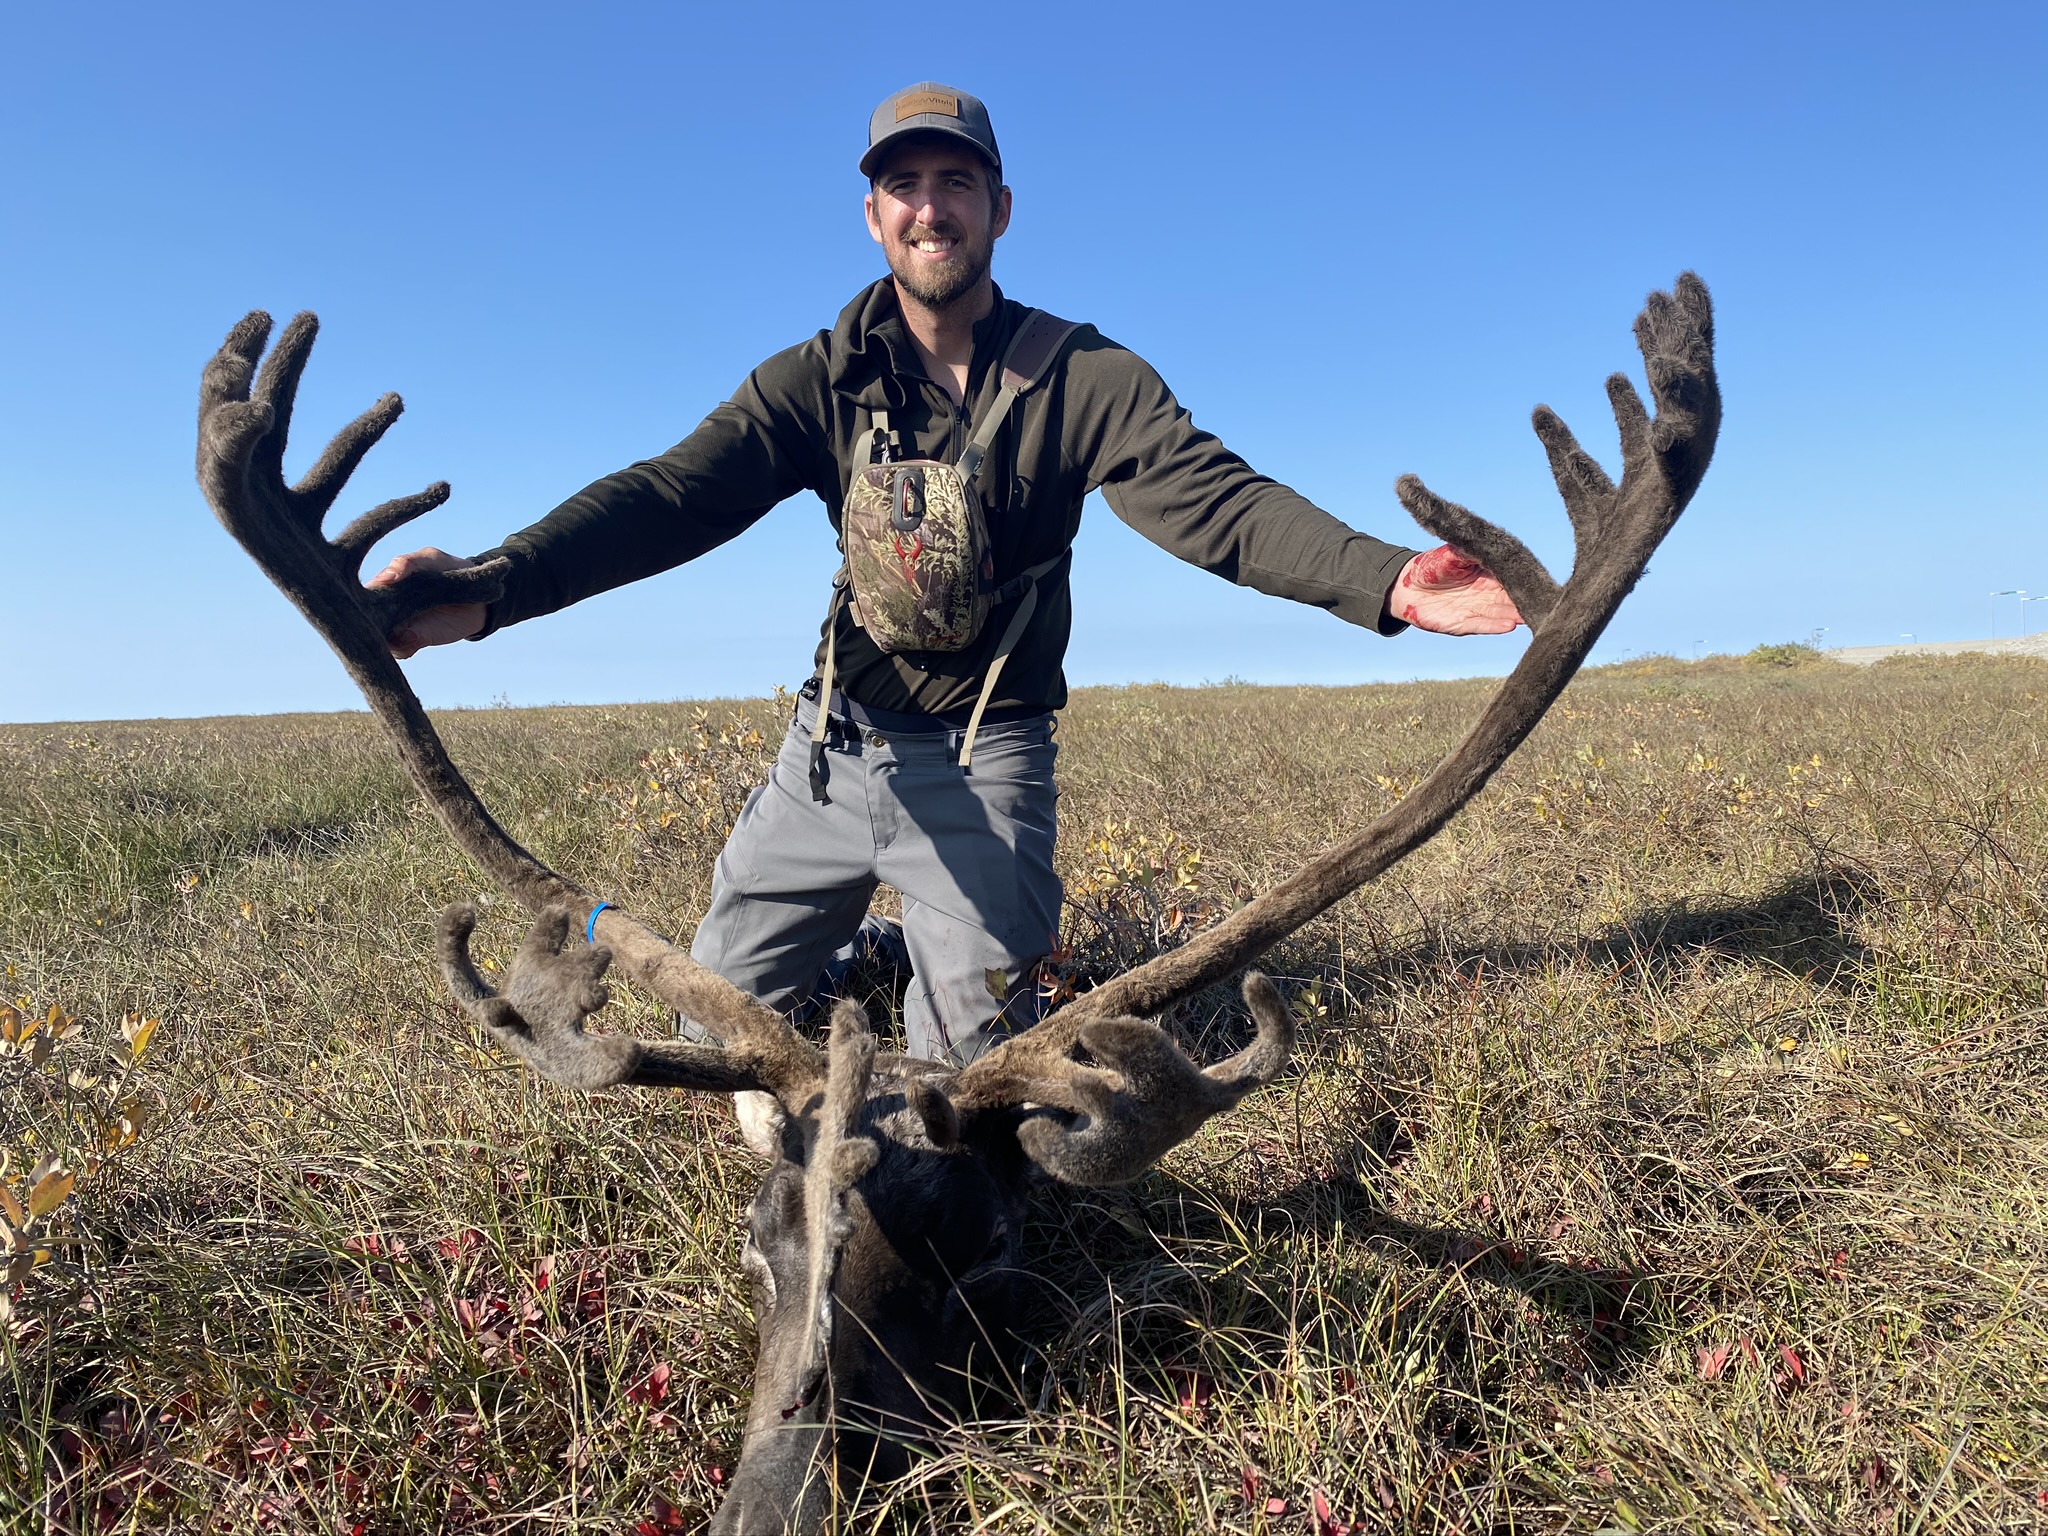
<point>937,210</point>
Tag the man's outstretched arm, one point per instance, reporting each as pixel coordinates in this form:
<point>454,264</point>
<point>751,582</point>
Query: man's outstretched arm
<point>764,444</point>
<point>1187,493</point>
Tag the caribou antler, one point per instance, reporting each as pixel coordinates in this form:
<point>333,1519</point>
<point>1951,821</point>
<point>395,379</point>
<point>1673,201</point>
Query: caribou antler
<point>539,1019</point>
<point>242,433</point>
<point>1098,1120</point>
<point>1615,528</point>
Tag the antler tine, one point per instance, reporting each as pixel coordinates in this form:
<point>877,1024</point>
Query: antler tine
<point>241,454</point>
<point>356,540</point>
<point>1663,462</point>
<point>1140,1096</point>
<point>540,1020</point>
<point>1531,586</point>
<point>277,387</point>
<point>345,451</point>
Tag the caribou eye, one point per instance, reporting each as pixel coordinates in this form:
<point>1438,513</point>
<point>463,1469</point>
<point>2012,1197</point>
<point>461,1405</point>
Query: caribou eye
<point>995,1251</point>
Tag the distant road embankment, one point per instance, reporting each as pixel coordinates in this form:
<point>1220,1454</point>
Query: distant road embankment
<point>1864,655</point>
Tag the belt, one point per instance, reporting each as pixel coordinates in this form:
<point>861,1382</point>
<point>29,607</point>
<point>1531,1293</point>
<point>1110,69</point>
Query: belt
<point>896,722</point>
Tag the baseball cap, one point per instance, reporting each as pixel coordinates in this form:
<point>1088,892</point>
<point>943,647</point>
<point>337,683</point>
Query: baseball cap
<point>929,107</point>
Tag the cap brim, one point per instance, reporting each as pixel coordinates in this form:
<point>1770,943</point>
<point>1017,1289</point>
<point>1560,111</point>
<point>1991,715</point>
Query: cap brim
<point>924,122</point>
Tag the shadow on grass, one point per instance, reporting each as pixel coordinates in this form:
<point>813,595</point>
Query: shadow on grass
<point>1152,1283</point>
<point>1805,925</point>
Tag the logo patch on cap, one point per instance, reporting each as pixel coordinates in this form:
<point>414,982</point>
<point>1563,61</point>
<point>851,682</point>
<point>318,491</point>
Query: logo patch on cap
<point>942,103</point>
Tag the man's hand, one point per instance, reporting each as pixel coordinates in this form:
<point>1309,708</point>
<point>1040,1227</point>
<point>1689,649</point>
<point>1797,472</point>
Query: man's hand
<point>430,626</point>
<point>1449,593</point>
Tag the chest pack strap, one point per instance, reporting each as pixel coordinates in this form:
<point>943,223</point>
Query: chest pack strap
<point>1012,633</point>
<point>1029,357</point>
<point>1026,361</point>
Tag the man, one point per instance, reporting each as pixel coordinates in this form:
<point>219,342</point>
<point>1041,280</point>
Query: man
<point>884,795</point>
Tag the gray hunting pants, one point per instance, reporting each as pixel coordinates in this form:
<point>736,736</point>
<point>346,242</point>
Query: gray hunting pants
<point>970,851</point>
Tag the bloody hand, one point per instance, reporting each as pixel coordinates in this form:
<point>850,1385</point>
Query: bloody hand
<point>1449,593</point>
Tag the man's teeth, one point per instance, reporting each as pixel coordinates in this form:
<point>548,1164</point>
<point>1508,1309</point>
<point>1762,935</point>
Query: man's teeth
<point>933,245</point>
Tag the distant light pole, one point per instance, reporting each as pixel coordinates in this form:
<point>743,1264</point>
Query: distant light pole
<point>2018,592</point>
<point>1907,636</point>
<point>2040,598</point>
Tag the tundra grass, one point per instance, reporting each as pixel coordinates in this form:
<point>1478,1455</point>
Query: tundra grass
<point>1667,1147</point>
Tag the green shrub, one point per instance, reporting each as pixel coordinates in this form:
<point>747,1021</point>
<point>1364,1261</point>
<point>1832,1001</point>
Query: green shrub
<point>1793,653</point>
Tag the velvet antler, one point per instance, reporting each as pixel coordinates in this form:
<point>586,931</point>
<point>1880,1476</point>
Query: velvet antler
<point>244,419</point>
<point>1616,529</point>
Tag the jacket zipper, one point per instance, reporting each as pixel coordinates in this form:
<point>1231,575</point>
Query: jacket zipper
<point>956,435</point>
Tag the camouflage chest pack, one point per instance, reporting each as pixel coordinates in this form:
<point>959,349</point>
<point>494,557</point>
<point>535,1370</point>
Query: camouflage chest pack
<point>917,558</point>
<point>919,573</point>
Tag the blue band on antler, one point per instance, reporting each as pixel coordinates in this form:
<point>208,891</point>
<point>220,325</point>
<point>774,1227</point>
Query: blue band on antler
<point>590,931</point>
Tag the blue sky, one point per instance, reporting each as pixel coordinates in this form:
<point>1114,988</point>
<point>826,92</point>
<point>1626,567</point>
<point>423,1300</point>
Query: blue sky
<point>1356,240</point>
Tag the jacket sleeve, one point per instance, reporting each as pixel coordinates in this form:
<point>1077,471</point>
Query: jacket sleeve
<point>763,445</point>
<point>1187,493</point>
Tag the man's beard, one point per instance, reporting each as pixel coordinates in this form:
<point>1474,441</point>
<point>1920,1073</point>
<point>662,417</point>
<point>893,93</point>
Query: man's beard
<point>938,287</point>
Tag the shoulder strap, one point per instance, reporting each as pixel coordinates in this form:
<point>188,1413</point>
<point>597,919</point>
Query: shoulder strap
<point>1029,358</point>
<point>827,678</point>
<point>1007,644</point>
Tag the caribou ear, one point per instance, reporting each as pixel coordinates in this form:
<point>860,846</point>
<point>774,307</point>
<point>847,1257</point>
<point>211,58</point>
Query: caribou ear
<point>1107,1120</point>
<point>941,1120</point>
<point>761,1120</point>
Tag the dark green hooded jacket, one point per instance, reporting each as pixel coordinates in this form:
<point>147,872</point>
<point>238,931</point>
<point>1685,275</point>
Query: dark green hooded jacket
<point>1101,418</point>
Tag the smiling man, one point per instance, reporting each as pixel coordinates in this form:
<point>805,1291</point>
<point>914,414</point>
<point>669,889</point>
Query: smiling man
<point>952,435</point>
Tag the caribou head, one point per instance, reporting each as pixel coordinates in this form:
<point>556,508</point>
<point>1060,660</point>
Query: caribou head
<point>883,1240</point>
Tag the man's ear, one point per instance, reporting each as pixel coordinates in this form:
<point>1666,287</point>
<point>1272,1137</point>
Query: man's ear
<point>875,225</point>
<point>1002,219</point>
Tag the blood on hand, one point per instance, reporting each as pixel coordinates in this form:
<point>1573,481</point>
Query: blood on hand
<point>1442,569</point>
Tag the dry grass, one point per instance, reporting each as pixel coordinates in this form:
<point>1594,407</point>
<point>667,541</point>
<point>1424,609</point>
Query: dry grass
<point>1668,1148</point>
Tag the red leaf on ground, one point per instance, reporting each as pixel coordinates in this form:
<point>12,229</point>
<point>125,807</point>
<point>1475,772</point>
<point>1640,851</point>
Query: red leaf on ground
<point>180,1405</point>
<point>1326,1524</point>
<point>1713,1362</point>
<point>652,1389</point>
<point>1248,1484</point>
<point>1276,1506</point>
<point>1748,1347</point>
<point>1794,1374</point>
<point>663,1516</point>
